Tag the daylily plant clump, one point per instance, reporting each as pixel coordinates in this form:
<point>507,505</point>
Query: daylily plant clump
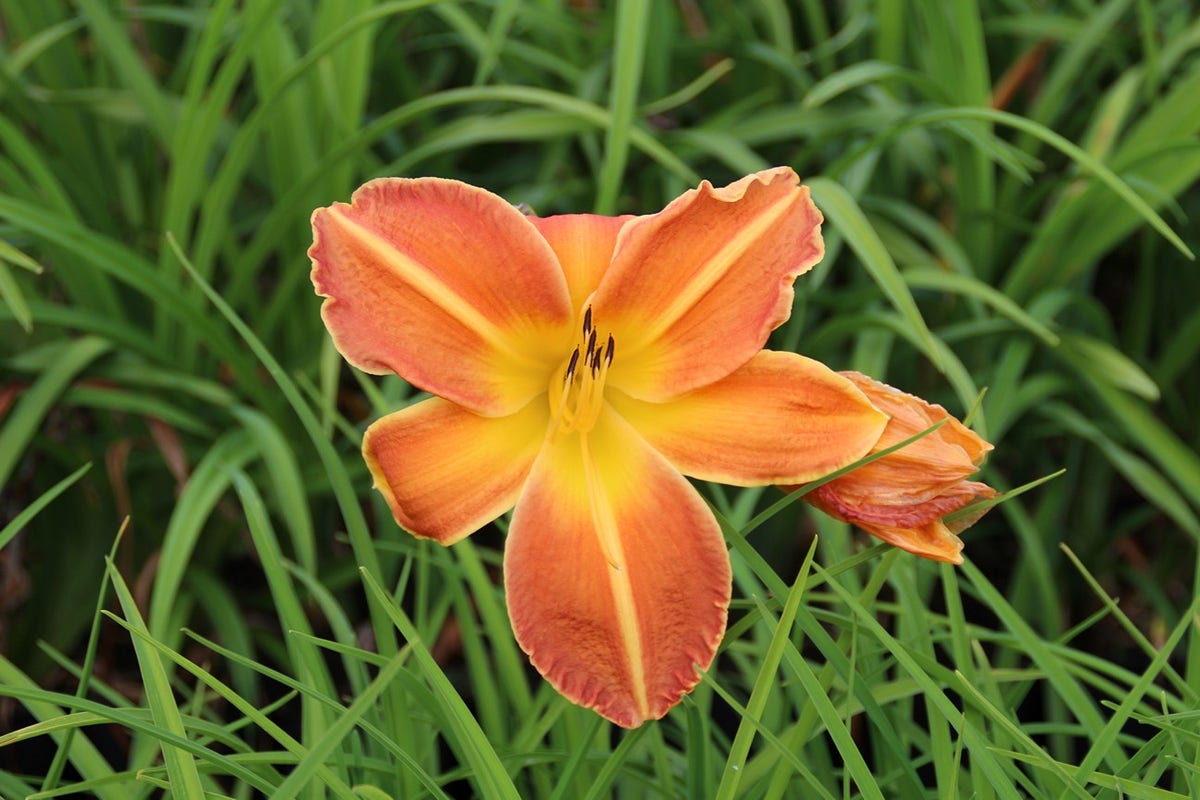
<point>581,366</point>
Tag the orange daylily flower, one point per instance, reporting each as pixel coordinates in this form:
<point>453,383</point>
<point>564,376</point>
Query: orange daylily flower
<point>903,497</point>
<point>581,366</point>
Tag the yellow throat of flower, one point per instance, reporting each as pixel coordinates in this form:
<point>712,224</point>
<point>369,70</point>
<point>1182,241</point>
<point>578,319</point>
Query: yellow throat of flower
<point>576,391</point>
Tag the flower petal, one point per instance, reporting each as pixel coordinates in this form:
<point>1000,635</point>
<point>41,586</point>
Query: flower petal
<point>779,418</point>
<point>445,284</point>
<point>923,470</point>
<point>918,529</point>
<point>584,245</point>
<point>616,574</point>
<point>694,291</point>
<point>445,471</point>
<point>903,497</point>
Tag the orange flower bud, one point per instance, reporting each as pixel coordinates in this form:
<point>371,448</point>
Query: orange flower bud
<point>903,497</point>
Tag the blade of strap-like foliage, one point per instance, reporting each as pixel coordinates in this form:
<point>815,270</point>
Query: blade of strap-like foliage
<point>19,427</point>
<point>182,771</point>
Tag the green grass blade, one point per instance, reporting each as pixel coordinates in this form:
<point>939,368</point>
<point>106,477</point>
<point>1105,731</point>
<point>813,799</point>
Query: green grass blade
<point>356,524</point>
<point>113,42</point>
<point>607,774</point>
<point>46,498</point>
<point>286,480</point>
<point>813,783</point>
<point>288,604</point>
<point>181,766</point>
<point>141,720</point>
<point>320,750</point>
<point>971,287</point>
<point>81,752</point>
<point>1142,476</point>
<point>411,686</point>
<point>245,707</point>
<point>1081,705</point>
<point>855,763</point>
<point>208,482</point>
<point>975,741</point>
<point>1124,788</point>
<point>1104,363</point>
<point>497,32</point>
<point>862,74</point>
<point>1178,462</point>
<point>844,212</point>
<point>732,774</point>
<point>628,54</point>
<point>486,768</point>
<point>1037,754</point>
<point>11,296</point>
<point>22,423</point>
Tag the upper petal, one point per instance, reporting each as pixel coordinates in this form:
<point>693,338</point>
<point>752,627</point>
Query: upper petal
<point>616,574</point>
<point>445,471</point>
<point>694,291</point>
<point>445,284</point>
<point>584,245</point>
<point>779,418</point>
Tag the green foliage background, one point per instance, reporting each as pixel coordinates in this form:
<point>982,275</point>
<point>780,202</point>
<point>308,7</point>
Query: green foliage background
<point>1008,186</point>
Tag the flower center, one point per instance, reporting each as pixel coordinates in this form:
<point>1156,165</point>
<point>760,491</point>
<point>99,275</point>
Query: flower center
<point>577,386</point>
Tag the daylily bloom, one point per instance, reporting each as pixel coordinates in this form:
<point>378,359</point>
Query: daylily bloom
<point>903,497</point>
<point>581,366</point>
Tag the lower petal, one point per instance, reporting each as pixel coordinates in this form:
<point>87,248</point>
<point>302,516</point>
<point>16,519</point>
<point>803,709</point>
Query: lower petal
<point>445,471</point>
<point>616,574</point>
<point>932,540</point>
<point>780,418</point>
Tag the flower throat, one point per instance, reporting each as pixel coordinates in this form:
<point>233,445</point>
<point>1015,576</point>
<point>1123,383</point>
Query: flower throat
<point>577,387</point>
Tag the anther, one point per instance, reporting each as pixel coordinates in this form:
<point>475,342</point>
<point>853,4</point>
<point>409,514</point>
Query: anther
<point>570,373</point>
<point>579,402</point>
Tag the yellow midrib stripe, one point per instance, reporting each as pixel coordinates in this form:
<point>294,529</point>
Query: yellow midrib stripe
<point>712,271</point>
<point>424,282</point>
<point>622,590</point>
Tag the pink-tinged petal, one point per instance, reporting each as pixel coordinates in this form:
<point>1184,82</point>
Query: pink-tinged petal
<point>694,291</point>
<point>902,498</point>
<point>616,574</point>
<point>446,285</point>
<point>445,471</point>
<point>584,245</point>
<point>779,418</point>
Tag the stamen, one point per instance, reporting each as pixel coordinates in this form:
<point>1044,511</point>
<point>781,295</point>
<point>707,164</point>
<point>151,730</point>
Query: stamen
<point>576,404</point>
<point>570,373</point>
